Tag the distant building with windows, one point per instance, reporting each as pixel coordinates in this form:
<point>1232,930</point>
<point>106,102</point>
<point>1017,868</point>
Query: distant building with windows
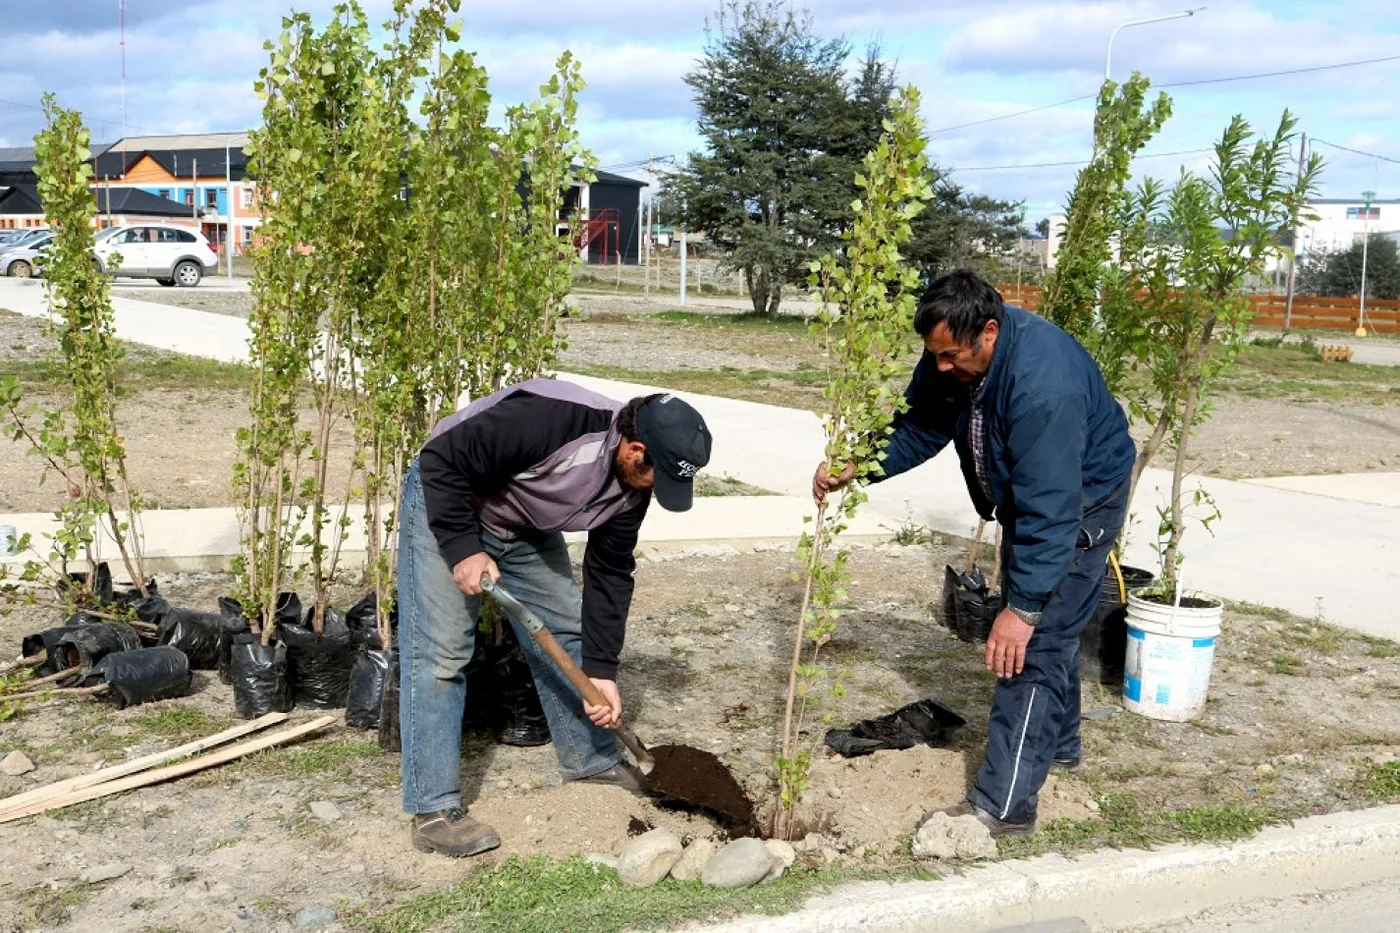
<point>1343,221</point>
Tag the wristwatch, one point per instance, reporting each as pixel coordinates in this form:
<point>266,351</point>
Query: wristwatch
<point>1025,615</point>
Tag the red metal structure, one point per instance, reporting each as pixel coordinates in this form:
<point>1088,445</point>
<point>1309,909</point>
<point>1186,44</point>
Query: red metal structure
<point>598,231</point>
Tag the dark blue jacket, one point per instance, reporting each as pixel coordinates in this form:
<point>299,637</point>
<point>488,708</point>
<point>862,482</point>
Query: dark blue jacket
<point>1056,442</point>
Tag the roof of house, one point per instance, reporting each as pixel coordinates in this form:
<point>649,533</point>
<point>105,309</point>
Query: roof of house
<point>608,178</point>
<point>186,141</point>
<point>180,163</point>
<point>134,201</point>
<point>20,199</point>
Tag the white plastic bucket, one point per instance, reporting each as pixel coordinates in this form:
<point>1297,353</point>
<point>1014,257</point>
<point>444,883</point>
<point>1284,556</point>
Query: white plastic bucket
<point>1166,670</point>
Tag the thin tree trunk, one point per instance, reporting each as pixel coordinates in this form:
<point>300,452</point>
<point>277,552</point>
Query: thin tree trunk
<point>1188,418</point>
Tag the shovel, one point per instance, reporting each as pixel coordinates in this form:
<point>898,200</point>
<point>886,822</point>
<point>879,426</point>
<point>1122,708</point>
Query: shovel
<point>546,640</point>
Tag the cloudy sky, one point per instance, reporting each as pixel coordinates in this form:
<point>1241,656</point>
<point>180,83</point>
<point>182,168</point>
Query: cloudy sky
<point>190,66</point>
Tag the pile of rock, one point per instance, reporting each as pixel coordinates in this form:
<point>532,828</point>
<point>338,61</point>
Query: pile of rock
<point>659,853</point>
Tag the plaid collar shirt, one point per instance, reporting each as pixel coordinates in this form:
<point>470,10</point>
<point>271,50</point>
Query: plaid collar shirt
<point>976,436</point>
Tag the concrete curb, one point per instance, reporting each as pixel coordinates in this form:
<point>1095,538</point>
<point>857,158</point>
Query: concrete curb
<point>1112,889</point>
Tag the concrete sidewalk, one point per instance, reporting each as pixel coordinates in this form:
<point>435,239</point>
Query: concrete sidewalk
<point>189,540</point>
<point>1328,545</point>
<point>1111,890</point>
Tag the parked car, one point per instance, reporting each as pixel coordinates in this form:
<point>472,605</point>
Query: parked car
<point>19,260</point>
<point>170,255</point>
<point>10,237</point>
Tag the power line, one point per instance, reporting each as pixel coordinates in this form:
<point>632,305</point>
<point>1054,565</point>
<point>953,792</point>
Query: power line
<point>1001,168</point>
<point>1008,116</point>
<point>1290,71</point>
<point>1249,77</point>
<point>94,119</point>
<point>1369,155</point>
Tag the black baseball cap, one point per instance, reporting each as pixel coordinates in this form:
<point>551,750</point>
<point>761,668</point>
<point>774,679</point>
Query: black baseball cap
<point>678,445</point>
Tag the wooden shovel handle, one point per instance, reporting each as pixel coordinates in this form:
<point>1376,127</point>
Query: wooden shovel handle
<point>976,543</point>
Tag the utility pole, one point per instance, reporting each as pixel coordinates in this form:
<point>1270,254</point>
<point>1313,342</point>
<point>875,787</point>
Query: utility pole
<point>194,192</point>
<point>228,208</point>
<point>646,242</point>
<point>1365,243</point>
<point>1293,253</point>
<point>683,263</point>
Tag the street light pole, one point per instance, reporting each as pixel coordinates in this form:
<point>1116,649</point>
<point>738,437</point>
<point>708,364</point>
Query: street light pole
<point>1108,59</point>
<point>1365,242</point>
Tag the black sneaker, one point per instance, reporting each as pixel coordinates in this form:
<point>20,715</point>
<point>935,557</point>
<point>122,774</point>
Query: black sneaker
<point>624,775</point>
<point>998,828</point>
<point>1066,764</point>
<point>452,832</point>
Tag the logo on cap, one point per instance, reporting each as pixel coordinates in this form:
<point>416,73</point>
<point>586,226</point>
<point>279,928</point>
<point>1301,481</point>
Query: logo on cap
<point>686,469</point>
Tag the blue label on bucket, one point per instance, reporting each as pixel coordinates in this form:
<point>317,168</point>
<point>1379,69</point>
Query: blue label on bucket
<point>1132,689</point>
<point>1203,642</point>
<point>1164,694</point>
<point>1136,633</point>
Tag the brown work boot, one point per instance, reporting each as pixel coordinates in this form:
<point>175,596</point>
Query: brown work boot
<point>452,832</point>
<point>624,775</point>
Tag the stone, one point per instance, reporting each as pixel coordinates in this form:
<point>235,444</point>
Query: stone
<point>834,792</point>
<point>309,918</point>
<point>783,856</point>
<point>812,842</point>
<point>101,873</point>
<point>693,860</point>
<point>325,811</point>
<point>947,837</point>
<point>604,859</point>
<point>15,764</point>
<point>646,859</point>
<point>739,864</point>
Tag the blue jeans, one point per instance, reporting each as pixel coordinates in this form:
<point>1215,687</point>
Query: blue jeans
<point>1035,715</point>
<point>437,630</point>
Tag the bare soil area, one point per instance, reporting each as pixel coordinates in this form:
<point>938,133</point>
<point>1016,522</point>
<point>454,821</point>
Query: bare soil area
<point>1296,709</point>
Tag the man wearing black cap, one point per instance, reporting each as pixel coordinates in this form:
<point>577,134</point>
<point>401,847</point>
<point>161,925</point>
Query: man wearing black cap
<point>492,492</point>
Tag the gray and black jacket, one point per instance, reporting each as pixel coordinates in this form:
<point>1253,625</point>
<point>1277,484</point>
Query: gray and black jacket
<point>538,457</point>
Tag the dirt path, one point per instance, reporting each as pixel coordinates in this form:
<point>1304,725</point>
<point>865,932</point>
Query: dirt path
<point>1295,708</point>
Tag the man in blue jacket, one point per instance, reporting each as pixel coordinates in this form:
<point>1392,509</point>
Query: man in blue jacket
<point>1045,451</point>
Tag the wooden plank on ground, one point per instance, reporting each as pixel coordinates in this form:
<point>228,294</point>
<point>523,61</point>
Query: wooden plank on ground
<point>140,764</point>
<point>144,779</point>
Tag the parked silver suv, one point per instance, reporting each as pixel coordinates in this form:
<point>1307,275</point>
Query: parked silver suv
<point>170,255</point>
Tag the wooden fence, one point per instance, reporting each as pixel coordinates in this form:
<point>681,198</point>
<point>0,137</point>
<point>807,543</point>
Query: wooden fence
<point>1310,312</point>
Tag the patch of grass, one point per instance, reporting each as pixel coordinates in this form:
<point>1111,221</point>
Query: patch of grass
<point>1286,664</point>
<point>171,371</point>
<point>51,907</point>
<point>1380,781</point>
<point>1124,823</point>
<point>715,486</point>
<point>543,896</point>
<point>745,323</point>
<point>181,723</point>
<point>1314,636</point>
<point>327,758</point>
<point>1261,611</point>
<point>798,388</point>
<point>1380,647</point>
<point>1296,370</point>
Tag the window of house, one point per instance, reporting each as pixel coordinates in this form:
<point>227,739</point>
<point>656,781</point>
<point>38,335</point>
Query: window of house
<point>164,192</point>
<point>1362,213</point>
<point>189,197</point>
<point>247,197</point>
<point>211,199</point>
<point>247,236</point>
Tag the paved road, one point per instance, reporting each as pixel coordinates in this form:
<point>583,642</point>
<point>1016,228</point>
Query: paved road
<point>1365,908</point>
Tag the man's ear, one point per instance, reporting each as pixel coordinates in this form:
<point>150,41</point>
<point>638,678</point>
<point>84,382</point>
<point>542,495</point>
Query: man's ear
<point>991,329</point>
<point>631,450</point>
